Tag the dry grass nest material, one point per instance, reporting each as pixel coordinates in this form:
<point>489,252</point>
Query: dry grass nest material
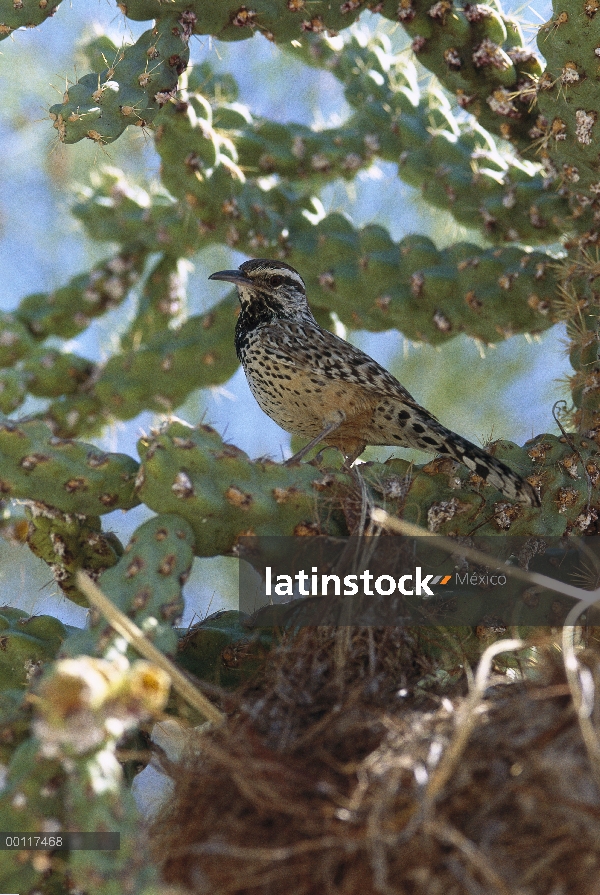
<point>338,774</point>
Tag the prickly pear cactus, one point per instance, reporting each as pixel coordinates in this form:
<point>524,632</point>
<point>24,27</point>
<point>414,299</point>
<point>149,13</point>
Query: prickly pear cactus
<point>70,543</point>
<point>139,80</point>
<point>146,584</point>
<point>504,139</point>
<point>24,14</point>
<point>222,494</point>
<point>70,476</point>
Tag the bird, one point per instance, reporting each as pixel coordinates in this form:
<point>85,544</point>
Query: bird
<point>314,384</point>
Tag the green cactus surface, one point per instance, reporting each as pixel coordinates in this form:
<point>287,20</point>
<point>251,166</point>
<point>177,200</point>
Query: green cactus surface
<point>161,373</point>
<point>26,643</point>
<point>69,310</point>
<point>70,476</point>
<point>140,79</point>
<point>13,389</point>
<point>70,543</point>
<point>223,495</point>
<point>147,582</point>
<point>16,14</point>
<point>162,302</point>
<point>565,131</point>
<point>361,274</point>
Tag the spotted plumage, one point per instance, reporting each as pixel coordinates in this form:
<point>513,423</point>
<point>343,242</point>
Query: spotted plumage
<point>314,384</point>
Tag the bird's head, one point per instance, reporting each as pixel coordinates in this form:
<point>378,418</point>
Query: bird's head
<point>268,290</point>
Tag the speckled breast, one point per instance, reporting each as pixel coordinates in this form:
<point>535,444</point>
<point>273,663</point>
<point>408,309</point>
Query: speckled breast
<point>291,398</point>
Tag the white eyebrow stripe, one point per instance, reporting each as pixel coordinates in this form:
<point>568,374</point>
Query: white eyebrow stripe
<point>260,265</point>
<point>289,277</point>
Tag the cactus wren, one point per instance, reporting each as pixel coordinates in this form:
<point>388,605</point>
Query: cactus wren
<point>314,384</point>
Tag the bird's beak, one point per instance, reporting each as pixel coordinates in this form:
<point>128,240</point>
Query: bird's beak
<point>231,276</point>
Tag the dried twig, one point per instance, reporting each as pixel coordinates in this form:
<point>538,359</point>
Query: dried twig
<point>586,597</point>
<point>130,631</point>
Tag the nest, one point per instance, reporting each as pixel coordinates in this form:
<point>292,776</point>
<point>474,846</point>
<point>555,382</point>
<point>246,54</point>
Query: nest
<point>340,773</point>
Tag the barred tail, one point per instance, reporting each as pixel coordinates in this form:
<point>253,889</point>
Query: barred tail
<point>412,426</point>
<point>487,467</point>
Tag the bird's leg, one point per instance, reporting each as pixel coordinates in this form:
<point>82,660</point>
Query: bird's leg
<point>334,423</point>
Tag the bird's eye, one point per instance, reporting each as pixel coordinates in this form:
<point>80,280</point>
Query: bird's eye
<point>277,281</point>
